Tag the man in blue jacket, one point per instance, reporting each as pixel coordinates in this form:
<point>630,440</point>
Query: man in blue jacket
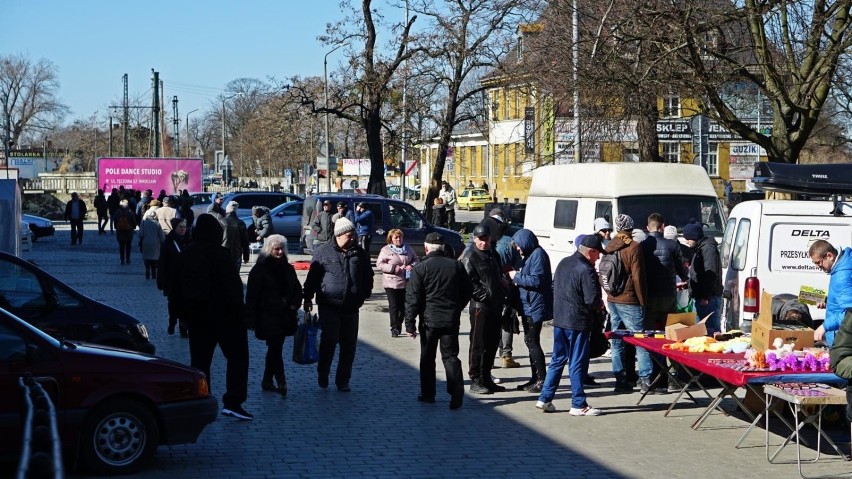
<point>535,282</point>
<point>577,299</point>
<point>825,257</point>
<point>364,226</point>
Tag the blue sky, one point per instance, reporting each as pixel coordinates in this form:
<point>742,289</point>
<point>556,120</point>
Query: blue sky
<point>197,46</point>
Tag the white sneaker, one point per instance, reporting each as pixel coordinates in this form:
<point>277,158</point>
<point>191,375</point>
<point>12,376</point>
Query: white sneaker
<point>546,406</point>
<point>495,380</point>
<point>585,411</point>
<point>608,353</point>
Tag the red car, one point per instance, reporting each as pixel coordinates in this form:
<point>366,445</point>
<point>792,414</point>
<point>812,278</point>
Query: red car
<point>113,407</point>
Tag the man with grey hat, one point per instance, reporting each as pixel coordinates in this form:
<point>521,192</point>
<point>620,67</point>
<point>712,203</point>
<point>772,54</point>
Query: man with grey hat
<point>627,308</point>
<point>486,306</point>
<point>438,290</point>
<point>341,278</point>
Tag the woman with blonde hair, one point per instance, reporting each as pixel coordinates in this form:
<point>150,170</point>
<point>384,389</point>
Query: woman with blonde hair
<point>395,262</point>
<point>151,236</point>
<point>272,298</point>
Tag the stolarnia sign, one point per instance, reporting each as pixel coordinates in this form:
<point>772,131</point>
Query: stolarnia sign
<point>170,174</point>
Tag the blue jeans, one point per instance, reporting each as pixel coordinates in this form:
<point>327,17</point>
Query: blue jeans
<point>570,347</point>
<point>714,306</point>
<point>630,317</point>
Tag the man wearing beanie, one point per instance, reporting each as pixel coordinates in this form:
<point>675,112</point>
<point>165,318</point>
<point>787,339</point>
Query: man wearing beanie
<point>165,214</point>
<point>235,237</point>
<point>341,278</point>
<point>705,276</point>
<point>627,309</point>
<point>210,294</point>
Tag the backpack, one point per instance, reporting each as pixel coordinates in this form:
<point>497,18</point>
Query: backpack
<point>122,223</point>
<point>612,273</point>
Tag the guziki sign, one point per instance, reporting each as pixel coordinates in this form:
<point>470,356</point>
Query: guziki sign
<point>170,174</point>
<point>789,244</point>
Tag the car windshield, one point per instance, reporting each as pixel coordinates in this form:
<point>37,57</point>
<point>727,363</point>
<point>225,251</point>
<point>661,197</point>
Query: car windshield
<point>677,210</point>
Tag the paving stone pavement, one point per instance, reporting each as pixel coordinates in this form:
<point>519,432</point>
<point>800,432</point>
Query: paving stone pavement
<point>380,430</point>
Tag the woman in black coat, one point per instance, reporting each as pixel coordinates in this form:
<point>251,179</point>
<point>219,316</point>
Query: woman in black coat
<point>169,275</point>
<point>272,298</point>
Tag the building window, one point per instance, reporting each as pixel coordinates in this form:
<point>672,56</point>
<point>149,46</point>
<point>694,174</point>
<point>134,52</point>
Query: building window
<point>507,162</point>
<point>474,161</point>
<point>486,161</point>
<point>630,155</point>
<point>671,106</point>
<point>671,152</point>
<point>713,159</point>
<point>462,165</point>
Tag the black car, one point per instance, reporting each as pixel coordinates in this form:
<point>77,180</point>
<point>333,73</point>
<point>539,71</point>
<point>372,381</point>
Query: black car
<point>113,407</point>
<point>38,298</point>
<point>388,214</point>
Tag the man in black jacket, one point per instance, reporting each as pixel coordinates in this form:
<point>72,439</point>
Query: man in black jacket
<point>341,277</point>
<point>663,260</point>
<point>211,299</point>
<point>488,298</point>
<point>705,276</point>
<point>438,290</point>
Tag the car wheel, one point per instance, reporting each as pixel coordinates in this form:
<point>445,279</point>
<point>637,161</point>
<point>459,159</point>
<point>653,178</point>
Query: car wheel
<point>119,437</point>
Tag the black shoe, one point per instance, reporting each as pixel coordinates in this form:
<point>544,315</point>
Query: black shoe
<point>171,329</point>
<point>495,388</point>
<point>535,387</point>
<point>344,389</point>
<point>237,412</point>
<point>623,387</point>
<point>645,386</point>
<point>184,333</point>
<point>524,386</point>
<point>268,386</point>
<point>394,333</point>
<point>477,388</point>
<point>323,382</point>
<point>282,390</point>
<point>457,399</point>
<point>122,261</point>
<point>425,399</point>
<point>589,381</point>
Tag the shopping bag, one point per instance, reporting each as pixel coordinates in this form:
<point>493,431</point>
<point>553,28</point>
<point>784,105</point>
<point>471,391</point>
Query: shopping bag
<point>305,350</point>
<point>598,344</point>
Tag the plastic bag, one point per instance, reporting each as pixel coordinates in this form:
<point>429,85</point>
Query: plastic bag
<point>305,350</point>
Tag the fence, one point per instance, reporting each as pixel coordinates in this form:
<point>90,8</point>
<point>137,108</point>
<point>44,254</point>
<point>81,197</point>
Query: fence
<point>41,452</point>
<point>83,183</point>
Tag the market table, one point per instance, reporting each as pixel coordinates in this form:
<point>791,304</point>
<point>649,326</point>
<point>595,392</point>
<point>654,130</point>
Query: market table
<point>729,379</point>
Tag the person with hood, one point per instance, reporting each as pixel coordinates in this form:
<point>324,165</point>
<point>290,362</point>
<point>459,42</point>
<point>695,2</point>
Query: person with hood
<point>151,237</point>
<point>235,238</point>
<point>627,309</point>
<point>273,296</point>
<point>262,223</point>
<point>508,258</point>
<point>341,279</point>
<point>211,299</point>
<point>535,282</point>
<point>437,293</point>
<point>705,276</point>
<point>169,273</point>
<point>364,225</point>
<point>75,213</point>
<point>839,266</point>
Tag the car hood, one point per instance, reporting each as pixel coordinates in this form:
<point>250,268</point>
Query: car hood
<point>103,356</point>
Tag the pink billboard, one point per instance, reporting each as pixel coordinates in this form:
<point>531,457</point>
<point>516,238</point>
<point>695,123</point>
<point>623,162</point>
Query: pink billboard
<point>171,174</point>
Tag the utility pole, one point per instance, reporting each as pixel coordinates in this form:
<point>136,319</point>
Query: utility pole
<point>110,136</point>
<point>156,112</point>
<point>187,132</point>
<point>575,68</point>
<point>404,166</point>
<point>126,121</point>
<point>176,123</point>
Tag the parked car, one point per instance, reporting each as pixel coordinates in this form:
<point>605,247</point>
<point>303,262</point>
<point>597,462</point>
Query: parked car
<point>473,199</point>
<point>387,215</point>
<point>410,193</point>
<point>247,199</point>
<point>286,219</point>
<point>200,202</point>
<point>113,407</point>
<point>32,294</point>
<point>40,227</point>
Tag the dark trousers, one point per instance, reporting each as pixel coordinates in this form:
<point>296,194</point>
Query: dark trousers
<point>338,327</point>
<point>532,338</point>
<point>451,217</point>
<point>124,250</point>
<point>103,219</point>
<point>76,231</point>
<point>448,338</point>
<point>364,242</point>
<point>484,339</point>
<point>208,330</point>
<point>274,364</point>
<point>173,310</point>
<point>396,307</point>
<point>151,268</point>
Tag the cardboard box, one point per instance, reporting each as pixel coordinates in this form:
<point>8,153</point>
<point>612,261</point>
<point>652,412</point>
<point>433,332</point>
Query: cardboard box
<point>763,333</point>
<point>682,326</point>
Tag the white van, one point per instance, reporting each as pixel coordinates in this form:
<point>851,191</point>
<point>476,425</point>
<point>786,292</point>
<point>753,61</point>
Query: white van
<point>769,239</point>
<point>564,200</point>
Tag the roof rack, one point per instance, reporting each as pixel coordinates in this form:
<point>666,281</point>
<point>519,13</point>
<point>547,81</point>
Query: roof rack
<point>814,180</point>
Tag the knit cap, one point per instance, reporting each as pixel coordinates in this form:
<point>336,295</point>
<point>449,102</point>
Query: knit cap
<point>623,223</point>
<point>602,224</point>
<point>693,231</point>
<point>670,232</point>
<point>343,226</point>
<point>232,206</point>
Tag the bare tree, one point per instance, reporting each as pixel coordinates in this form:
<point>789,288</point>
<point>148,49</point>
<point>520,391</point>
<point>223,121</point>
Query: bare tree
<point>28,95</point>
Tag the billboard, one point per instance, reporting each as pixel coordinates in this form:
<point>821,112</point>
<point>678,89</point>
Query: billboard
<point>169,174</point>
<point>356,167</point>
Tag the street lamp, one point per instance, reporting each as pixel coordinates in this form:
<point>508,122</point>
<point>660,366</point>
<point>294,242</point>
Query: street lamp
<point>327,141</point>
<point>187,131</point>
<point>226,179</point>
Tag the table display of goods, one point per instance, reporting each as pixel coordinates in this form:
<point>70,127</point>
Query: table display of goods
<point>706,344</point>
<point>811,359</point>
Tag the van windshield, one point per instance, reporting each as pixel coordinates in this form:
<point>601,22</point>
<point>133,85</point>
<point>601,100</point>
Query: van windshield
<point>677,210</point>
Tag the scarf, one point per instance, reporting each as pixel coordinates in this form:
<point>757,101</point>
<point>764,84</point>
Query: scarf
<point>398,250</point>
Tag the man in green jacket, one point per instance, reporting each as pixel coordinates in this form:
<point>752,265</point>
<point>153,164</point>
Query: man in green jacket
<point>841,357</point>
